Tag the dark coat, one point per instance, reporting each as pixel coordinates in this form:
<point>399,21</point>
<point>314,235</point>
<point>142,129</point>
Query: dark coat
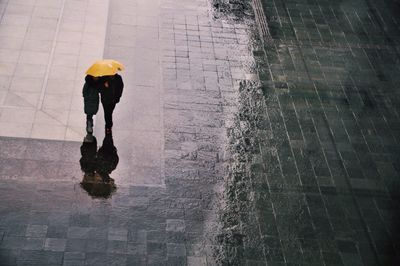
<point>113,93</point>
<point>90,94</point>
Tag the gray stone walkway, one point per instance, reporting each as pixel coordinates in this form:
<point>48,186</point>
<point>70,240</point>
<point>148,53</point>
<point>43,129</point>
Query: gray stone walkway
<point>181,78</point>
<point>46,46</point>
<point>232,150</point>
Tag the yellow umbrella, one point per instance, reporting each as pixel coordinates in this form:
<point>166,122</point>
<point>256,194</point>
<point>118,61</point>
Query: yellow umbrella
<point>105,67</point>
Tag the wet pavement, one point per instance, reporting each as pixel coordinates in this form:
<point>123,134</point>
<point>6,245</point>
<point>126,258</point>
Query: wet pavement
<point>231,148</point>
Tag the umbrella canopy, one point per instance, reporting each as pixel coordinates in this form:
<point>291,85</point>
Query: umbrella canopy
<point>105,67</point>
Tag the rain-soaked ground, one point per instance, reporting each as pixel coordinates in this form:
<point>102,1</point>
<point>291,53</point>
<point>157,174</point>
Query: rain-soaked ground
<point>232,149</point>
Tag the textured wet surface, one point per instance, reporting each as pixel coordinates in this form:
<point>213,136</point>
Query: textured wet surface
<point>232,150</point>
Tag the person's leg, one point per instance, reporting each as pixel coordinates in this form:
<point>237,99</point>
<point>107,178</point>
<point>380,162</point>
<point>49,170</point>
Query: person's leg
<point>108,111</point>
<point>89,124</point>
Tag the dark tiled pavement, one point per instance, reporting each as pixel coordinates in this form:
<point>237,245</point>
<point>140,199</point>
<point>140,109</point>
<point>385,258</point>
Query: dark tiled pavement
<point>285,153</point>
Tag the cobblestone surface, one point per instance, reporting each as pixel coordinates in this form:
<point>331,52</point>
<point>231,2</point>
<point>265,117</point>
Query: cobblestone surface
<point>283,152</point>
<point>330,114</point>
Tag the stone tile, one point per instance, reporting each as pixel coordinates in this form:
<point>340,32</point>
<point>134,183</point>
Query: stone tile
<point>73,263</point>
<point>36,231</point>
<point>74,256</point>
<point>74,134</point>
<point>4,83</point>
<point>7,69</point>
<point>137,236</point>
<point>117,234</point>
<point>65,60</point>
<point>12,43</point>
<point>72,25</point>
<point>117,247</point>
<point>33,58</point>
<point>9,55</point>
<point>37,45</point>
<point>51,117</point>
<point>11,31</point>
<point>147,175</point>
<point>9,129</point>
<point>12,148</point>
<point>176,250</point>
<point>76,119</point>
<point>33,244</point>
<point>196,261</point>
<point>40,34</point>
<point>55,101</point>
<point>50,151</point>
<point>55,244</point>
<point>156,249</point>
<point>44,23</point>
<point>48,132</point>
<point>30,70</point>
<point>96,246</point>
<point>19,99</point>
<point>75,245</point>
<point>140,157</point>
<point>62,72</point>
<point>175,225</point>
<point>12,242</point>
<point>40,257</point>
<point>135,249</point>
<point>69,36</point>
<point>67,48</point>
<point>76,232</point>
<point>26,84</point>
<point>146,122</point>
<point>57,231</point>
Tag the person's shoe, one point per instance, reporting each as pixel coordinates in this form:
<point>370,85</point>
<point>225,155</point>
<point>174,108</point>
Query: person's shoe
<point>108,131</point>
<point>89,127</point>
<point>88,138</point>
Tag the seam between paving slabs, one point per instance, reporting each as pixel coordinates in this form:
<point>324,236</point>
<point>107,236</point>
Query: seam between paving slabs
<point>4,10</point>
<point>51,57</point>
<point>348,183</point>
<point>261,21</point>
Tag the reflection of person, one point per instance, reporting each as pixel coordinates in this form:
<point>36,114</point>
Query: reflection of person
<point>97,166</point>
<point>110,89</point>
<point>88,159</point>
<point>107,158</point>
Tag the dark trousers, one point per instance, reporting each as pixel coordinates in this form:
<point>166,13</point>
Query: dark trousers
<point>89,118</point>
<point>108,111</point>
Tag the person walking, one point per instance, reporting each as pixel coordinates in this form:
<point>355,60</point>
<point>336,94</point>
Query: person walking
<point>90,94</point>
<point>102,79</point>
<point>111,91</point>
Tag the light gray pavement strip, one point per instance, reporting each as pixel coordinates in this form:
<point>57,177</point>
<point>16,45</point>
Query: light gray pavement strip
<point>133,37</point>
<point>45,48</point>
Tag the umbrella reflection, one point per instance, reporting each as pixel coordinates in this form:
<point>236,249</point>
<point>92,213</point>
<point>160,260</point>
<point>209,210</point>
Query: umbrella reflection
<point>97,166</point>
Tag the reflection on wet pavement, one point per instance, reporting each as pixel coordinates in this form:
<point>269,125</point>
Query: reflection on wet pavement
<point>97,166</point>
<point>229,149</point>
